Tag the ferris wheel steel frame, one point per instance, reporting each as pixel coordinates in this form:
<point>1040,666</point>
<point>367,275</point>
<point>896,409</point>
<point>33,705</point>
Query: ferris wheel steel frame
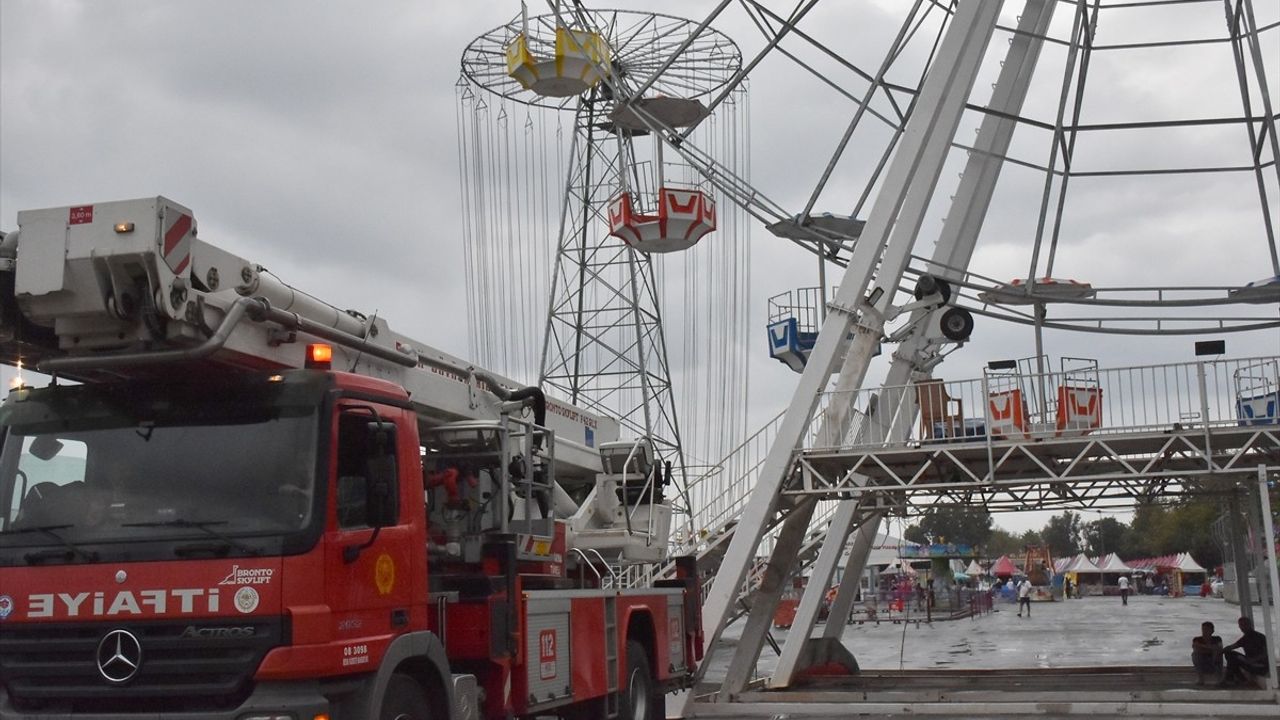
<point>829,246</point>
<point>864,313</point>
<point>765,501</point>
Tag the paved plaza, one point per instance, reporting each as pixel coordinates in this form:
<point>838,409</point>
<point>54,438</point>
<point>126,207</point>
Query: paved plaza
<point>1092,657</point>
<point>1089,632</point>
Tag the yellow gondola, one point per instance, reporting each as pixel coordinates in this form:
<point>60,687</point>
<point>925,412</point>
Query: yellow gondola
<point>580,61</point>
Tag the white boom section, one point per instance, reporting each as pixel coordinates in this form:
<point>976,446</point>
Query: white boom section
<point>114,289</point>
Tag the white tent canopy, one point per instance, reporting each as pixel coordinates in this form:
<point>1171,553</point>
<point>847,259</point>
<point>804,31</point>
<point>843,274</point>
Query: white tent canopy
<point>1111,563</point>
<point>974,569</point>
<point>1187,564</point>
<point>1082,564</point>
<point>897,567</point>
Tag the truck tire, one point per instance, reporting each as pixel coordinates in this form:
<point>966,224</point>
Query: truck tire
<point>641,699</point>
<point>404,700</point>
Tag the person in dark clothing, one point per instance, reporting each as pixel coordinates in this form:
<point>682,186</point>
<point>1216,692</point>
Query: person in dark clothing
<point>1252,655</point>
<point>1206,653</point>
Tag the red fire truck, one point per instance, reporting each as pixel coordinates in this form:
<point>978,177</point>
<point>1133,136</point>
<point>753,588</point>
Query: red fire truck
<point>233,500</point>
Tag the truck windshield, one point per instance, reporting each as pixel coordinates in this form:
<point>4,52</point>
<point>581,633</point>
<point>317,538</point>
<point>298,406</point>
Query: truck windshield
<point>83,470</point>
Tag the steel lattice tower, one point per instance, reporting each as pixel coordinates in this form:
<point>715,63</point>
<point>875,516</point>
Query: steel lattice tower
<point>604,346</point>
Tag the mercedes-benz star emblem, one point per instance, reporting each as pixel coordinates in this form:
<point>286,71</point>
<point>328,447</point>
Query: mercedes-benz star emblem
<point>119,656</point>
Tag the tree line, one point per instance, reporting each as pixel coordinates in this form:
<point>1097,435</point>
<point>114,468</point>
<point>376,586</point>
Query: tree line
<point>1158,528</point>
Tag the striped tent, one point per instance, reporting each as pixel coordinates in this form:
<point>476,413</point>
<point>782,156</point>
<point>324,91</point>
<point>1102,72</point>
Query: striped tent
<point>1113,567</point>
<point>1004,567</point>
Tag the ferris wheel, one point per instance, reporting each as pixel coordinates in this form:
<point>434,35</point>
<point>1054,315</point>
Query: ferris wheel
<point>1101,217</point>
<point>1083,140</point>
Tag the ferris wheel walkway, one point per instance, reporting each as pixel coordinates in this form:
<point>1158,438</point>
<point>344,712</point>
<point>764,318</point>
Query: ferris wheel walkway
<point>1151,431</point>
<point>1056,440</point>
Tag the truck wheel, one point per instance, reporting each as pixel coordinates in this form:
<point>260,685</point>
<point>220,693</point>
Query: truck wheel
<point>641,698</point>
<point>405,700</point>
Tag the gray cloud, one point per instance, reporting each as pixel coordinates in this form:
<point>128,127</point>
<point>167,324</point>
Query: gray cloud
<point>318,139</point>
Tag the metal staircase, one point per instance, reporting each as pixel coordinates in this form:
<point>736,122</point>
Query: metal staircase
<point>718,497</point>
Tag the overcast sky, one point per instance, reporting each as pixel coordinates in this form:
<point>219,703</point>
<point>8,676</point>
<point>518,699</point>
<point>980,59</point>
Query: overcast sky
<point>318,139</point>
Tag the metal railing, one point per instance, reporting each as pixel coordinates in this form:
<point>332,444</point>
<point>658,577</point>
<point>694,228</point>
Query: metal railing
<point>719,494</point>
<point>585,561</point>
<point>1021,405</point>
<point>717,498</point>
<point>1076,399</point>
<point>803,304</point>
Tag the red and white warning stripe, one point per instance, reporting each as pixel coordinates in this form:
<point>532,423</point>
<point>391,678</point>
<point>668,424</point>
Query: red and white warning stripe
<point>179,229</point>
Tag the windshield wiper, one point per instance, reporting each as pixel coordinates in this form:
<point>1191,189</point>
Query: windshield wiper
<point>203,526</point>
<point>69,553</point>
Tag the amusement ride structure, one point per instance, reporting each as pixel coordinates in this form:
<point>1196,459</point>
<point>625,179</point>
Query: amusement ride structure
<point>615,260</point>
<point>813,487</point>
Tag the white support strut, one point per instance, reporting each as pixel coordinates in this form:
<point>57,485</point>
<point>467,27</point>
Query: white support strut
<point>952,253</point>
<point>886,243</point>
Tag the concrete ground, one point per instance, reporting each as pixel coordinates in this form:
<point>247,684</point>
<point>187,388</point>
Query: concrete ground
<point>1092,656</point>
<point>1150,630</point>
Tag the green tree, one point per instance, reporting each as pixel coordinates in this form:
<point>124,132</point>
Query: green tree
<point>1181,526</point>
<point>1002,542</point>
<point>1063,534</point>
<point>952,524</point>
<point>1193,529</point>
<point>915,534</point>
<point>1107,535</point>
<point>1149,529</point>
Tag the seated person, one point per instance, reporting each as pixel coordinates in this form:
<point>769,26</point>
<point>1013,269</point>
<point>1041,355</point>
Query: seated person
<point>1251,660</point>
<point>1206,653</point>
<point>51,504</point>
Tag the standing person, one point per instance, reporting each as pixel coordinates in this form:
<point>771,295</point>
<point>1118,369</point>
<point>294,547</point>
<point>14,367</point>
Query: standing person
<point>1124,590</point>
<point>1206,653</point>
<point>1066,589</point>
<point>1252,657</point>
<point>1024,597</point>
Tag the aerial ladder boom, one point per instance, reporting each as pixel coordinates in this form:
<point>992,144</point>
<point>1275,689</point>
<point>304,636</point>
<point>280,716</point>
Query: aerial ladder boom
<point>128,290</point>
<point>119,289</point>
